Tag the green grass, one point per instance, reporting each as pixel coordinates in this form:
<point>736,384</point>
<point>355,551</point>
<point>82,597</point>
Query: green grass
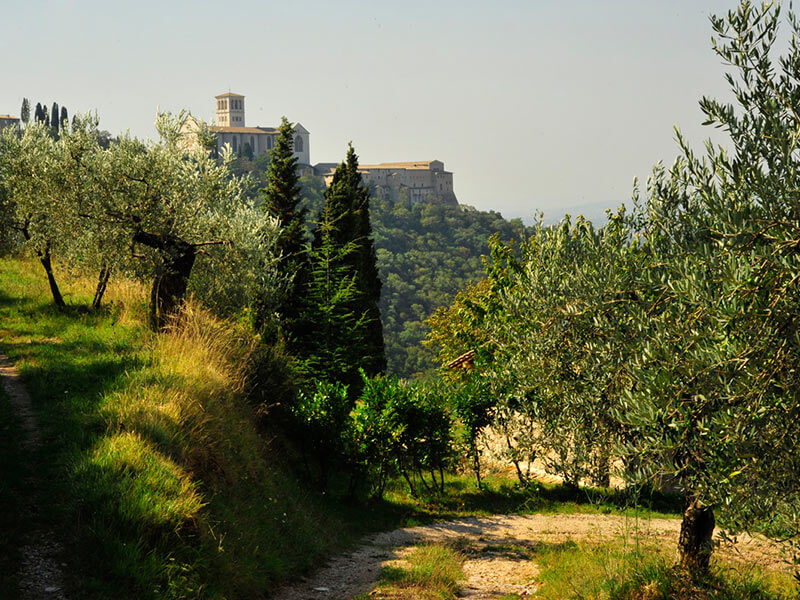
<point>153,474</point>
<point>620,571</point>
<point>501,494</point>
<point>13,467</point>
<point>433,573</point>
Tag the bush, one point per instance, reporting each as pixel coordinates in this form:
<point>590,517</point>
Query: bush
<point>401,429</point>
<point>323,420</point>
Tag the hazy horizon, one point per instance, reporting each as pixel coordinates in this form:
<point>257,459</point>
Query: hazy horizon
<point>535,106</point>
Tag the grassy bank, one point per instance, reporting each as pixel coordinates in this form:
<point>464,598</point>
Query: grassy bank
<point>153,473</point>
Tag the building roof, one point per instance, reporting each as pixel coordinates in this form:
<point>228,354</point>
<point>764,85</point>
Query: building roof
<point>465,361</point>
<point>9,117</point>
<point>419,164</point>
<point>271,130</point>
<point>229,95</point>
<point>222,129</point>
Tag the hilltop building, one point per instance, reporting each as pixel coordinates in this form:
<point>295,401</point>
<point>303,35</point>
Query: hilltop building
<point>231,128</point>
<point>418,181</point>
<point>8,121</point>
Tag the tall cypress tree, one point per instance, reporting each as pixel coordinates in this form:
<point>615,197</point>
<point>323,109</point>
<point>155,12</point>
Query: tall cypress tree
<point>54,114</point>
<point>344,223</point>
<point>64,118</point>
<point>281,198</point>
<point>25,111</point>
<point>333,339</point>
<point>39,114</point>
<point>369,281</point>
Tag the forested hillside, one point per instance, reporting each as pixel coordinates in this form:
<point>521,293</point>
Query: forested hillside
<point>426,254</point>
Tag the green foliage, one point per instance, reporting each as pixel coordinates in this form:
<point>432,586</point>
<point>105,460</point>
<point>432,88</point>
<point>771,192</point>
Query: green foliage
<point>145,209</point>
<point>25,111</point>
<point>322,417</point>
<point>331,336</point>
<point>153,476</point>
<point>401,428</point>
<point>426,253</point>
<point>670,334</point>
<point>280,199</point>
<point>346,219</point>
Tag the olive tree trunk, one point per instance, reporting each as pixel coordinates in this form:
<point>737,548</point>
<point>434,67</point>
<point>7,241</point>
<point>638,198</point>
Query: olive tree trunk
<point>44,258</point>
<point>695,544</point>
<point>169,286</point>
<point>102,284</point>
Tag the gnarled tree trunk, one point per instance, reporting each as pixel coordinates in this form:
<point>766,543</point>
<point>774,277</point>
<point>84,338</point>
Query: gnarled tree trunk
<point>169,286</point>
<point>695,543</point>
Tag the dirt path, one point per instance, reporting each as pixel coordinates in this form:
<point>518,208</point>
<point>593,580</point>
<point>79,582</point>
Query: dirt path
<point>40,569</point>
<point>492,571</point>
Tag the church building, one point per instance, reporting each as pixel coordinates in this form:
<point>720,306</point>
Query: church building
<point>231,128</point>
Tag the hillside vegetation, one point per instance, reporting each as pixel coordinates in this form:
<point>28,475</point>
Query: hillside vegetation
<point>163,485</point>
<point>427,252</point>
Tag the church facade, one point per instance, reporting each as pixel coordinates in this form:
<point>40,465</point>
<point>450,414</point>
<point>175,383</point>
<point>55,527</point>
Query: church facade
<point>231,128</point>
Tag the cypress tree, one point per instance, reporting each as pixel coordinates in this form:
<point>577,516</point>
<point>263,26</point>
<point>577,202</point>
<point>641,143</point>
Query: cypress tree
<point>333,337</point>
<point>25,111</point>
<point>281,198</point>
<point>39,115</point>
<point>54,118</point>
<point>367,268</point>
<point>64,118</point>
<point>345,225</point>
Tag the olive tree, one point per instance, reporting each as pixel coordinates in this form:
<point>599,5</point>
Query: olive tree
<point>716,397</point>
<point>32,207</point>
<point>150,208</point>
<point>170,207</point>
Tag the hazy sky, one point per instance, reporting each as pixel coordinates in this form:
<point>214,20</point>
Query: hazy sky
<point>539,104</point>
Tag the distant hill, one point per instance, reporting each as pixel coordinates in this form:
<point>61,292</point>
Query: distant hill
<point>426,254</point>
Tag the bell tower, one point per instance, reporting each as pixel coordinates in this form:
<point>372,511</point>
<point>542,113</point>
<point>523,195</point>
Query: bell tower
<point>230,110</point>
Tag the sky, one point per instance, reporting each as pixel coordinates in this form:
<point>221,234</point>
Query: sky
<point>534,105</point>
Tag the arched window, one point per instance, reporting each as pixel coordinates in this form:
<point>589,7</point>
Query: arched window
<point>269,142</point>
<point>234,143</point>
<point>298,144</point>
<point>253,143</point>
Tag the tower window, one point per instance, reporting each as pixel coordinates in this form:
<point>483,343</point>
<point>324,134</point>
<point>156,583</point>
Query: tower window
<point>298,144</point>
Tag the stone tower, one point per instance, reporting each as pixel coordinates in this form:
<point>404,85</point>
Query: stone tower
<point>230,110</point>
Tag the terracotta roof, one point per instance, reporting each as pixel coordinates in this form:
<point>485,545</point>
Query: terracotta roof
<point>420,164</point>
<point>9,117</point>
<point>222,129</point>
<point>229,95</point>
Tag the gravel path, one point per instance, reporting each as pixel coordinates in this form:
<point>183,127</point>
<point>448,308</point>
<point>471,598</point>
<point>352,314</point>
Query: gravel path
<point>40,569</point>
<point>492,574</point>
